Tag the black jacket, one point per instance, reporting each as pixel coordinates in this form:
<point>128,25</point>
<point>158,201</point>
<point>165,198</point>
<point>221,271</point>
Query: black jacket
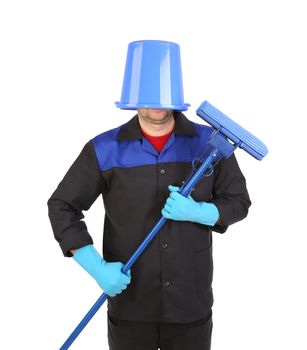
<point>171,281</point>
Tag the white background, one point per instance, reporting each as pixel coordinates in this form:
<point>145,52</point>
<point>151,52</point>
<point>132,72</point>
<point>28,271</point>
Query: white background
<point>62,65</point>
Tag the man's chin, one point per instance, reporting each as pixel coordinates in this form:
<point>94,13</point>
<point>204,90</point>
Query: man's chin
<point>156,116</point>
<point>160,112</point>
<point>159,117</point>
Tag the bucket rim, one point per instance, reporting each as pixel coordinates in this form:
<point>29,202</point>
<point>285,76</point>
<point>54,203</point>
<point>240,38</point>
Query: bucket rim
<point>181,107</point>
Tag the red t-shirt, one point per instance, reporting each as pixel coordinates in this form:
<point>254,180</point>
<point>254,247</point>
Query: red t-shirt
<point>157,141</point>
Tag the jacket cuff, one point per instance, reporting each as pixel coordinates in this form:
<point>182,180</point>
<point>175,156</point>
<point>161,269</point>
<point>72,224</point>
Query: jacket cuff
<point>223,218</point>
<point>75,240</point>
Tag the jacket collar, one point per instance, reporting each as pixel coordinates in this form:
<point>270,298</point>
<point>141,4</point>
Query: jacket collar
<point>132,130</point>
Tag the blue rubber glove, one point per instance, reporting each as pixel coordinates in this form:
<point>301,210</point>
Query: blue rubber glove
<point>108,275</point>
<point>179,207</point>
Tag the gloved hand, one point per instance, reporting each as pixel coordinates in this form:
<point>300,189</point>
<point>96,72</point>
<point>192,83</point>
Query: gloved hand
<point>107,275</point>
<point>179,207</point>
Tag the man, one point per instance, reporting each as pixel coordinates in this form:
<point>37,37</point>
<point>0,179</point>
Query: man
<point>165,301</point>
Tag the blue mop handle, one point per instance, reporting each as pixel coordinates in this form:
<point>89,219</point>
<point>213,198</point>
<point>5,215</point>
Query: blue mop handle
<point>185,190</point>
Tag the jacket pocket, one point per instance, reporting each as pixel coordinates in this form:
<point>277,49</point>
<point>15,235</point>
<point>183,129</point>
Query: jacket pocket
<point>113,258</point>
<point>119,336</point>
<point>203,269</point>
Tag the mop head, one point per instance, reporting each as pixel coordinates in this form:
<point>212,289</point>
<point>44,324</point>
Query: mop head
<point>234,132</point>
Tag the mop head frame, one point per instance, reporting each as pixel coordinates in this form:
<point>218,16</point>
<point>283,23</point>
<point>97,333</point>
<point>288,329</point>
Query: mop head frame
<point>232,131</point>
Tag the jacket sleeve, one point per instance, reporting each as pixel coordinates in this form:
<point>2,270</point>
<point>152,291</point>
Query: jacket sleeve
<point>230,194</point>
<point>77,191</point>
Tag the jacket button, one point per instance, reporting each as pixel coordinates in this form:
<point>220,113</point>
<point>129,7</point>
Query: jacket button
<point>162,171</point>
<point>166,283</point>
<point>164,245</point>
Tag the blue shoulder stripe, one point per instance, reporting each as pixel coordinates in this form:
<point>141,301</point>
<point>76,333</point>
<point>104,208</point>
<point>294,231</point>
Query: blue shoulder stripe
<point>126,154</point>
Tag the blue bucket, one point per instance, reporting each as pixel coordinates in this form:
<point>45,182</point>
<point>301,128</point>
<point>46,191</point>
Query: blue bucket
<point>153,77</point>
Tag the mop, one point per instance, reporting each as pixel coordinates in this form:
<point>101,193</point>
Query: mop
<point>226,137</point>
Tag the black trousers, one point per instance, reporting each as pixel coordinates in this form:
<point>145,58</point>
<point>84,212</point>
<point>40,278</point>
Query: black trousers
<point>130,335</point>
